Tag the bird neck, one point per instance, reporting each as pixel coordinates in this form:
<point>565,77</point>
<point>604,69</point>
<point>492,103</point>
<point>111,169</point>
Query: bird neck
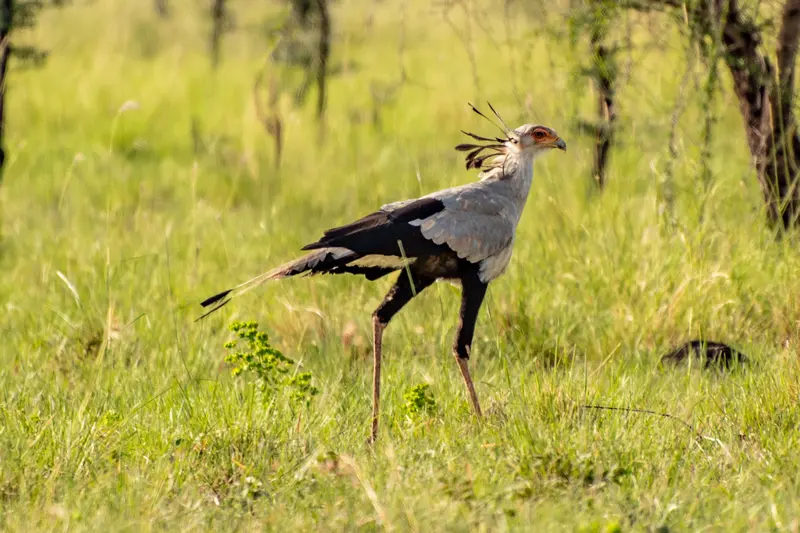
<point>520,172</point>
<point>514,173</point>
<point>511,177</point>
<point>520,178</point>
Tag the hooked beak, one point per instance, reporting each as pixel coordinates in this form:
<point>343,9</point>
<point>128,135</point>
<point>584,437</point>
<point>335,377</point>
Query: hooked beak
<point>560,144</point>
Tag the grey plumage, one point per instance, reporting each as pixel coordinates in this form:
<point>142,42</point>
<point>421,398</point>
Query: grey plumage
<point>479,220</point>
<point>464,233</point>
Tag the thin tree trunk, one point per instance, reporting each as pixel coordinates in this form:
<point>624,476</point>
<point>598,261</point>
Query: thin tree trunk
<point>270,116</point>
<point>217,27</point>
<point>324,50</point>
<point>6,9</point>
<point>162,8</point>
<point>606,111</point>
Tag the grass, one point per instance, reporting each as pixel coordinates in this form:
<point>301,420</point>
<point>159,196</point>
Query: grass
<point>118,412</point>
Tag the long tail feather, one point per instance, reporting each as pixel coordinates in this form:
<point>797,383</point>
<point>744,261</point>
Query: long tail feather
<point>214,299</point>
<point>315,261</point>
<point>201,317</point>
<point>227,295</point>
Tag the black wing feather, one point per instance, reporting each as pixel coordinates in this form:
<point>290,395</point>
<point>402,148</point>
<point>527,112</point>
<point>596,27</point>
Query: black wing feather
<point>371,273</point>
<point>378,233</point>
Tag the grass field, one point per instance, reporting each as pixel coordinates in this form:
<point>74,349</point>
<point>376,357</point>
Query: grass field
<point>118,412</point>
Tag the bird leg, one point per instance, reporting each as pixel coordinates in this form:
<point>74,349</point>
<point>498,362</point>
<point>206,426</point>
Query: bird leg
<point>473,292</point>
<point>463,364</point>
<point>377,345</point>
<point>398,296</point>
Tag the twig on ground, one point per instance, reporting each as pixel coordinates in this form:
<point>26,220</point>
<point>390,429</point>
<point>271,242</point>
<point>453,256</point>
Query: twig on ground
<point>646,412</point>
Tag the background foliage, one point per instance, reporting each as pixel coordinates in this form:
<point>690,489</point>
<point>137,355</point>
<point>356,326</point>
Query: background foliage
<point>140,180</point>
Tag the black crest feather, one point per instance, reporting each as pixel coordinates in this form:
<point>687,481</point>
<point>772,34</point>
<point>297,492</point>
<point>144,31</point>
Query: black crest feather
<point>477,155</point>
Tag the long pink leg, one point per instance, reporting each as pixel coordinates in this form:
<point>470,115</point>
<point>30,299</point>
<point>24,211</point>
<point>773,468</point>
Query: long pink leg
<point>377,342</point>
<point>463,364</point>
<point>399,295</point>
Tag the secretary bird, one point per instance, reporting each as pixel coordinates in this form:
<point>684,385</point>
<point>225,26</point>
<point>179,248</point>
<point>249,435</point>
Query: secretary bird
<point>463,234</point>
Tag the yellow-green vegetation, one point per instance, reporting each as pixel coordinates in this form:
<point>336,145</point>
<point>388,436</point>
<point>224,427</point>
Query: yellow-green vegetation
<point>140,181</point>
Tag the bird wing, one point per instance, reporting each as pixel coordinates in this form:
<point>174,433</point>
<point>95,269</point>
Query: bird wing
<point>386,232</point>
<point>476,223</point>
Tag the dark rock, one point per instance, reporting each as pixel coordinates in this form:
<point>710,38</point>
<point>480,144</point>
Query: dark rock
<point>711,354</point>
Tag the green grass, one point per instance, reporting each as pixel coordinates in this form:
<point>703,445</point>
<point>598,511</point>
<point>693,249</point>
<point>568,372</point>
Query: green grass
<point>118,412</point>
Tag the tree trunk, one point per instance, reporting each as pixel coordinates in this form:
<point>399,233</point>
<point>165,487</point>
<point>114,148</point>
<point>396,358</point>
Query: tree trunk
<point>6,9</point>
<point>765,102</point>
<point>323,52</point>
<point>606,112</point>
<point>217,27</point>
<point>162,8</point>
<point>782,169</point>
<point>765,96</point>
<point>270,116</point>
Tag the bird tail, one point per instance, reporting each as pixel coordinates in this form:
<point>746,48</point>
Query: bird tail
<point>316,262</point>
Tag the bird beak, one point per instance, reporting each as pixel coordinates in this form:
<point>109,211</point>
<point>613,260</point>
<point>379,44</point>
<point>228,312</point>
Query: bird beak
<point>560,144</point>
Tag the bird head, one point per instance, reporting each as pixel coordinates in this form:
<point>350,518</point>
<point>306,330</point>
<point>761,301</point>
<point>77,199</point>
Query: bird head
<point>526,141</point>
<point>534,139</point>
<point>529,140</point>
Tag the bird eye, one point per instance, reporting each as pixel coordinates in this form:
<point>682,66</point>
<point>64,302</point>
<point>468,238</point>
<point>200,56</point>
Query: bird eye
<point>538,134</point>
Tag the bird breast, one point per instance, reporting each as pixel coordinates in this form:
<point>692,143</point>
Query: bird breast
<point>494,266</point>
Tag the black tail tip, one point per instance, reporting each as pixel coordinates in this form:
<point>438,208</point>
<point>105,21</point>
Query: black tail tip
<point>215,308</point>
<point>214,299</point>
